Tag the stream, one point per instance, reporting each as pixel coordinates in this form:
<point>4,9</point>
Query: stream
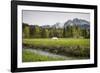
<point>44,53</point>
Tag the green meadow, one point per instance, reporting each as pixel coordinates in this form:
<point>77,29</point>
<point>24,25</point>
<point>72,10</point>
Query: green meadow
<point>33,57</point>
<point>59,42</point>
<point>73,48</point>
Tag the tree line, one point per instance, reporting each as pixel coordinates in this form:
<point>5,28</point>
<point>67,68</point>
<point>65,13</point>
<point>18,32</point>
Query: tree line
<point>35,31</point>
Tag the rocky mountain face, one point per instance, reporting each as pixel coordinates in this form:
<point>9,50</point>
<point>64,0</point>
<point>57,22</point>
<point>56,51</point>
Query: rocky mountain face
<point>45,26</point>
<point>58,25</point>
<point>79,22</point>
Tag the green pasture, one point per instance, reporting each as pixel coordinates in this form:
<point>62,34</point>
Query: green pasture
<point>28,56</point>
<point>70,48</point>
<point>56,43</point>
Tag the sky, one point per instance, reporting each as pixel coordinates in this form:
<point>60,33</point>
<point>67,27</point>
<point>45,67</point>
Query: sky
<point>50,18</point>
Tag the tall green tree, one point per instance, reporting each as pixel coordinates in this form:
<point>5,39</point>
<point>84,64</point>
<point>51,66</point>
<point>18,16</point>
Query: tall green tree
<point>25,30</point>
<point>76,31</point>
<point>35,31</point>
<point>85,33</point>
<point>51,33</point>
<point>68,31</point>
<point>45,33</point>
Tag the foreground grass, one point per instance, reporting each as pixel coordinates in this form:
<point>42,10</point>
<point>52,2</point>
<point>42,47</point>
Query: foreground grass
<point>28,56</point>
<point>56,43</point>
<point>68,47</point>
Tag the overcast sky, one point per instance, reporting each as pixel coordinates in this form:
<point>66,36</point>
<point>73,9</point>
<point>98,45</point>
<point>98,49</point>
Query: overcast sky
<point>50,18</point>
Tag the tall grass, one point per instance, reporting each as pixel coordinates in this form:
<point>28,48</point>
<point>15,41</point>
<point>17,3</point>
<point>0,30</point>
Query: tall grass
<point>28,56</point>
<point>57,43</point>
<point>78,48</point>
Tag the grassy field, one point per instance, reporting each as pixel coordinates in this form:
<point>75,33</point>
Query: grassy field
<point>75,48</point>
<point>34,57</point>
<point>57,43</point>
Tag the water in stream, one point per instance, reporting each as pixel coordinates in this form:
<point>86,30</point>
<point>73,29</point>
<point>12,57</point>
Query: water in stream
<point>44,53</point>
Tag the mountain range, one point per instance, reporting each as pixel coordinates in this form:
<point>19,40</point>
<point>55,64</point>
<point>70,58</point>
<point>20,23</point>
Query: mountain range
<point>79,22</point>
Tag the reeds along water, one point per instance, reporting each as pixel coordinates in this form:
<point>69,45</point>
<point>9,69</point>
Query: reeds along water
<point>71,51</point>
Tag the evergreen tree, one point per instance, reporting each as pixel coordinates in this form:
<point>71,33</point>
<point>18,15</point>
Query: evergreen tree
<point>25,30</point>
<point>45,33</point>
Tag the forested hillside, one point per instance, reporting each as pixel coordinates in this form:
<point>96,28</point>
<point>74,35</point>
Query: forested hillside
<point>76,28</point>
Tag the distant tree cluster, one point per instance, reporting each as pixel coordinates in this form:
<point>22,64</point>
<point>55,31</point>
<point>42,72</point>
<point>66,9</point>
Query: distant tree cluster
<point>76,32</point>
<point>35,31</point>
